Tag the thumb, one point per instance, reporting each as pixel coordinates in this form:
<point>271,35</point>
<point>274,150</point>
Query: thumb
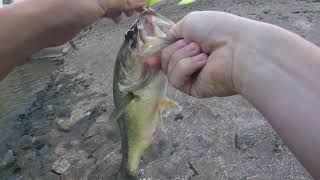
<point>134,4</point>
<point>177,30</point>
<point>121,5</point>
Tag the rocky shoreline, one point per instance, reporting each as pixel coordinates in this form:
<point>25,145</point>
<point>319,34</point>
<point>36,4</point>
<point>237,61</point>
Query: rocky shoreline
<point>64,134</point>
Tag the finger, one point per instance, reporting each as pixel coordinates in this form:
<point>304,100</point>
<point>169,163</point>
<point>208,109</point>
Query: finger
<point>154,62</point>
<point>176,31</point>
<point>129,13</point>
<point>181,76</point>
<point>139,9</point>
<point>114,15</point>
<point>190,50</point>
<point>116,19</point>
<point>121,5</point>
<point>134,4</point>
<point>168,52</point>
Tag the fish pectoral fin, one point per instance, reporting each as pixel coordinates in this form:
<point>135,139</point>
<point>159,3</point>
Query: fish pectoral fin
<point>111,122</point>
<point>117,113</point>
<point>169,106</point>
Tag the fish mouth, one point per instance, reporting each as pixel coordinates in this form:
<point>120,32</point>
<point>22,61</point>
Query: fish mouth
<point>135,27</point>
<point>149,32</point>
<point>146,36</point>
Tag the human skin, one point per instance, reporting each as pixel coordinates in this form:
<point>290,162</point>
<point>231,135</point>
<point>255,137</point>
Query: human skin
<point>274,69</point>
<point>31,25</point>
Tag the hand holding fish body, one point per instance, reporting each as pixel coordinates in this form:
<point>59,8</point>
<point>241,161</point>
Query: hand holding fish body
<point>139,91</point>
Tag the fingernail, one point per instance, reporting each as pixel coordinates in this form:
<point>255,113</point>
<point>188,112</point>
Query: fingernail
<point>180,44</point>
<point>142,2</point>
<point>200,57</point>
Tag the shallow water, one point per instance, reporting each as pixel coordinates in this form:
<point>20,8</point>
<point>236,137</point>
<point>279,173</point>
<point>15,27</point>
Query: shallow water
<point>19,88</point>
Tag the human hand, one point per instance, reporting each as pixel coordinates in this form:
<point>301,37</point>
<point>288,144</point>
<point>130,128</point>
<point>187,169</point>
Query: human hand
<point>62,20</point>
<point>207,61</point>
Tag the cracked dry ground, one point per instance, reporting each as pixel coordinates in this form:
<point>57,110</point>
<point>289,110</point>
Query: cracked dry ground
<point>66,134</point>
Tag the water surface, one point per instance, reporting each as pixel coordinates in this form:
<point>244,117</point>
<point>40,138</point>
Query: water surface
<point>19,88</point>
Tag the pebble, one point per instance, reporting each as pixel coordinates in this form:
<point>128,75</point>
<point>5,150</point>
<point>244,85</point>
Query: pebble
<point>60,166</point>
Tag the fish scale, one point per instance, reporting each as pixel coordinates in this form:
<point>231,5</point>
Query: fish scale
<point>140,101</point>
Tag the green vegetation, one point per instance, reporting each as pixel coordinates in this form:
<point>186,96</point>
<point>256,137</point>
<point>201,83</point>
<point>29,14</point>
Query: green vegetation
<point>182,2</point>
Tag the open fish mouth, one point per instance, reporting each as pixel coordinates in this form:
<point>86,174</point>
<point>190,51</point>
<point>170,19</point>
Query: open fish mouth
<point>148,33</point>
<point>145,37</point>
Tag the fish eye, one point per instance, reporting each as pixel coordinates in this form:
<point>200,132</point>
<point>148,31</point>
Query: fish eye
<point>129,35</point>
<point>132,30</point>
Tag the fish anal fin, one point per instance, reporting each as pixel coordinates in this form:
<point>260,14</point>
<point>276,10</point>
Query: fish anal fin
<point>151,153</point>
<point>167,105</point>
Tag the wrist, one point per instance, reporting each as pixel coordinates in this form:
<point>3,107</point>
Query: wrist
<point>273,53</point>
<point>256,55</point>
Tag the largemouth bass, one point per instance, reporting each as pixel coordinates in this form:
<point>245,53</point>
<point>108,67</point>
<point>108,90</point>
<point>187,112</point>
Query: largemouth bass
<point>140,92</point>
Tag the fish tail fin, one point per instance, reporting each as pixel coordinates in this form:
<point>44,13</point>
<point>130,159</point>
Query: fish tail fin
<point>129,166</point>
<point>123,175</point>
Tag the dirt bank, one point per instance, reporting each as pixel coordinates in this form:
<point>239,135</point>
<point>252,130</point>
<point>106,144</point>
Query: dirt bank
<point>65,136</point>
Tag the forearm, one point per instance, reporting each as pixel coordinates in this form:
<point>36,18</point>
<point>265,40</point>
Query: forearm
<point>280,76</point>
<point>21,34</point>
<point>31,25</point>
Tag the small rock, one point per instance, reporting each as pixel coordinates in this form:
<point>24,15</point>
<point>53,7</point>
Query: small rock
<point>73,45</point>
<point>54,136</point>
<point>87,113</point>
<point>255,177</point>
<point>26,142</point>
<point>66,50</point>
<point>74,142</point>
<point>21,117</point>
<point>8,159</point>
<point>60,150</point>
<point>266,11</point>
<point>29,155</point>
<point>50,107</point>
<point>178,117</point>
<point>59,87</point>
<point>60,166</point>
<point>43,150</point>
<point>278,146</point>
<point>62,124</point>
<point>243,142</point>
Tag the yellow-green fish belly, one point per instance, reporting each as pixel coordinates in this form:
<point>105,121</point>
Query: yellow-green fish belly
<point>140,120</point>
